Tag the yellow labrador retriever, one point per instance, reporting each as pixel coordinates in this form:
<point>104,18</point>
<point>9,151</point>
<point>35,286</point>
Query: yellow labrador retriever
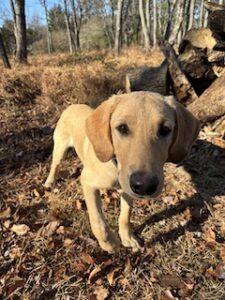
<point>127,139</point>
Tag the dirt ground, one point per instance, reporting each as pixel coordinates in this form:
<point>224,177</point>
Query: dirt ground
<point>47,250</point>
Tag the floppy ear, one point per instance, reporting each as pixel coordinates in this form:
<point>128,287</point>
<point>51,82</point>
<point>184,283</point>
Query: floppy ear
<point>99,131</point>
<point>186,131</point>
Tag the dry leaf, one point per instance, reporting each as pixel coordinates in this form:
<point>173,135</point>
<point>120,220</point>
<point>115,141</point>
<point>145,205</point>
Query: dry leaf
<point>5,213</point>
<point>15,253</point>
<point>49,229</point>
<point>218,273</point>
<point>93,273</point>
<point>124,282</point>
<point>222,254</point>
<point>209,235</point>
<point>111,276</point>
<point>169,200</point>
<point>78,204</point>
<point>20,229</point>
<point>87,258</point>
<point>101,293</point>
<point>67,243</point>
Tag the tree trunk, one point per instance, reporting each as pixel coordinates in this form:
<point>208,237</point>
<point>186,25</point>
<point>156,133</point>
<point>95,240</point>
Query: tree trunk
<point>70,40</point>
<point>148,17</point>
<point>75,26</point>
<point>144,26</point>
<point>3,54</point>
<point>191,14</point>
<point>200,21</point>
<point>178,22</point>
<point>118,37</point>
<point>155,41</point>
<point>49,35</point>
<point>18,10</point>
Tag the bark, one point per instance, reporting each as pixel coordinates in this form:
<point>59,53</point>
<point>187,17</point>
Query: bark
<point>18,10</point>
<point>191,14</point>
<point>200,21</point>
<point>76,26</point>
<point>3,54</point>
<point>148,79</point>
<point>171,11</point>
<point>144,25</point>
<point>49,35</point>
<point>118,35</point>
<point>183,90</point>
<point>70,39</point>
<point>155,41</point>
<point>216,20</point>
<point>178,22</point>
<point>148,16</point>
<point>206,108</point>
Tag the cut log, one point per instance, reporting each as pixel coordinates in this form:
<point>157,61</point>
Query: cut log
<point>216,20</point>
<point>182,88</point>
<point>194,63</point>
<point>211,104</point>
<point>148,79</point>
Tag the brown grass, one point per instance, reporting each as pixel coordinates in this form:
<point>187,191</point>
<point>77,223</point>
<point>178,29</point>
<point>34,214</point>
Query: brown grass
<point>58,258</point>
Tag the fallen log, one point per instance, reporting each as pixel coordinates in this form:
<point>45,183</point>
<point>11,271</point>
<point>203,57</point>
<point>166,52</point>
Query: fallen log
<point>211,104</point>
<point>216,22</point>
<point>148,79</point>
<point>183,90</point>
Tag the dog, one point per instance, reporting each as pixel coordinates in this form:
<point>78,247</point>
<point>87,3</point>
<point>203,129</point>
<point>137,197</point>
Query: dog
<point>126,140</point>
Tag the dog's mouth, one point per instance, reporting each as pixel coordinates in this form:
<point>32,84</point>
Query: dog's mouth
<point>138,196</point>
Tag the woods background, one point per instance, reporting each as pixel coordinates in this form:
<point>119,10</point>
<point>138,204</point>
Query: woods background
<point>75,25</point>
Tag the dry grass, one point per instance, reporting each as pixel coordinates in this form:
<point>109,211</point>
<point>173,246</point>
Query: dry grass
<point>58,257</point>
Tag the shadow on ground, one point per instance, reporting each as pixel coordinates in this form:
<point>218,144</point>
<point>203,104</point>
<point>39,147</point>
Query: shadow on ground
<point>206,166</point>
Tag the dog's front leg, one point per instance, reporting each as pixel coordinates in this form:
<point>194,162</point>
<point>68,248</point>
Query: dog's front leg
<point>105,236</point>
<point>126,234</point>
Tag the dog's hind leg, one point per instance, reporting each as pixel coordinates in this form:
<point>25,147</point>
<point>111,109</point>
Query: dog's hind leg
<point>61,144</point>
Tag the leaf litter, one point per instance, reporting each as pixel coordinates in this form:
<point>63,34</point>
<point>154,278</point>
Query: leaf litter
<point>47,250</point>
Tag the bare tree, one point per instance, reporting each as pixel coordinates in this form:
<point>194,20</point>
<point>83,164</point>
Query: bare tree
<point>69,33</point>
<point>155,42</point>
<point>178,21</point>
<point>201,14</point>
<point>3,53</point>
<point>191,14</point>
<point>18,11</point>
<point>148,16</point>
<point>49,35</point>
<point>118,35</point>
<point>144,25</point>
<point>76,25</point>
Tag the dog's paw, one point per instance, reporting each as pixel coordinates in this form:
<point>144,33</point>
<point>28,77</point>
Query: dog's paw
<point>111,244</point>
<point>48,184</point>
<point>129,240</point>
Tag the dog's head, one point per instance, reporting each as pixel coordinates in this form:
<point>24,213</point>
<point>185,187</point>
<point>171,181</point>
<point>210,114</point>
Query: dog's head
<point>143,130</point>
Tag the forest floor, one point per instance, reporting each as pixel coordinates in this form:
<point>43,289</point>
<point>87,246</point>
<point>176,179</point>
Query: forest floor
<point>47,250</point>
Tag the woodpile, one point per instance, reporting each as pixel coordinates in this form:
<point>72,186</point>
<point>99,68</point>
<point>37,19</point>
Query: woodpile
<point>196,74</point>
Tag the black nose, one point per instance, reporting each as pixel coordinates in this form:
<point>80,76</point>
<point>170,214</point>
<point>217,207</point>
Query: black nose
<point>143,183</point>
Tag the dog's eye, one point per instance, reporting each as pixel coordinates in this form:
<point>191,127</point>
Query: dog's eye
<point>123,129</point>
<point>164,131</point>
